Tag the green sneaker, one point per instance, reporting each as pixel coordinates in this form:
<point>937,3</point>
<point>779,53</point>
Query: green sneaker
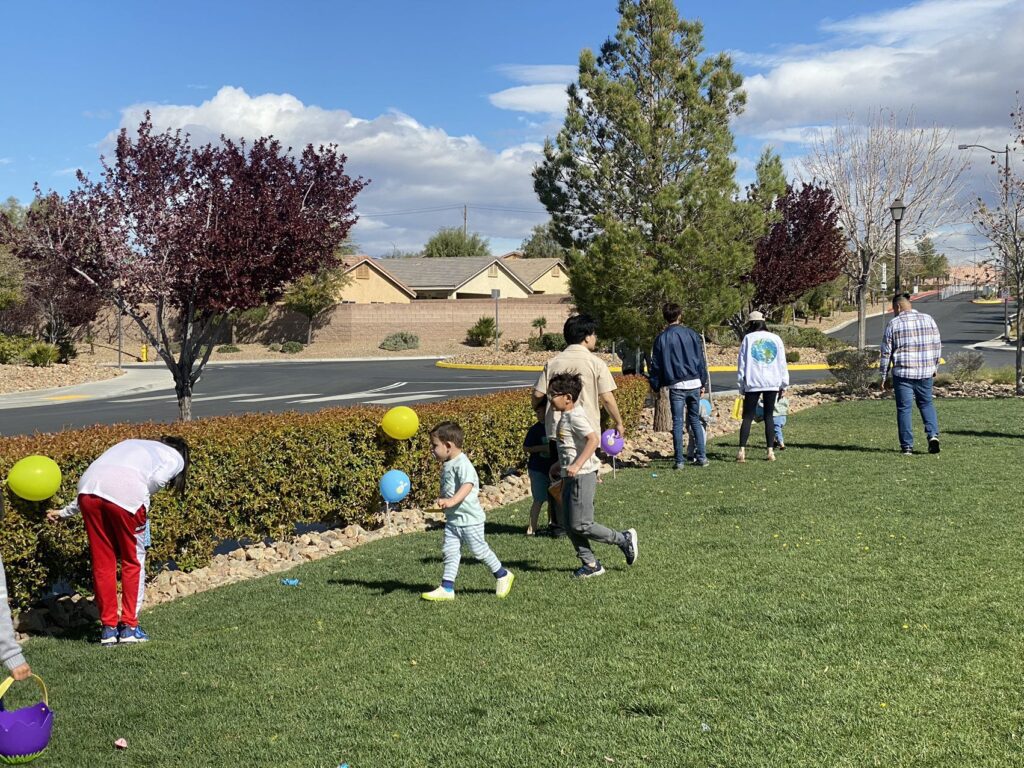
<point>504,585</point>
<point>439,594</point>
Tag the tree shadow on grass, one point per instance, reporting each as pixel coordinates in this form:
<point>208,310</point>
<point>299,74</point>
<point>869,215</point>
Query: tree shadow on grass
<point>526,566</point>
<point>383,586</point>
<point>982,433</point>
<point>857,448</point>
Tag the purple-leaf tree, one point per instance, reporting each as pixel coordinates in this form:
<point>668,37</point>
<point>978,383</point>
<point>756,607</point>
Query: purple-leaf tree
<point>182,236</point>
<point>801,250</point>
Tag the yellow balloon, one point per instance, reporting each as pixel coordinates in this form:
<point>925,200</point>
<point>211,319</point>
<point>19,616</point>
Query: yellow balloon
<point>401,422</point>
<point>34,478</point>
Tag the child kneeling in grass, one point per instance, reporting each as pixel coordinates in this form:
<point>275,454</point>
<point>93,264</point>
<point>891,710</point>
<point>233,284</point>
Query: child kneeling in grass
<point>464,517</point>
<point>577,442</point>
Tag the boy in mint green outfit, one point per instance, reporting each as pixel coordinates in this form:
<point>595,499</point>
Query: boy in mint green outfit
<point>464,517</point>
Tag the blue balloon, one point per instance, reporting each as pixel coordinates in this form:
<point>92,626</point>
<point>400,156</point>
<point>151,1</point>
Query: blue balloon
<point>394,486</point>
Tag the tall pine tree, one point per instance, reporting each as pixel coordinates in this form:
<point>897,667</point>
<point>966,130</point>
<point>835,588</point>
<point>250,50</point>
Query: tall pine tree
<point>639,180</point>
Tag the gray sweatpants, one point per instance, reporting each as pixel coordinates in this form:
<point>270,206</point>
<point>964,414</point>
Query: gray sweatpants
<point>473,537</point>
<point>578,517</point>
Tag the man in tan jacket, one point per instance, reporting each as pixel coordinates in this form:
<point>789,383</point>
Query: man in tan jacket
<point>580,333</point>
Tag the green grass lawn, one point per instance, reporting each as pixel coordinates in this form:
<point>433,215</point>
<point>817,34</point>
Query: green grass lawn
<point>844,606</point>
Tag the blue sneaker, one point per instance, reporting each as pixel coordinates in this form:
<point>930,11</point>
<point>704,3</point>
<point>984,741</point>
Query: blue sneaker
<point>108,636</point>
<point>132,635</point>
<point>586,571</point>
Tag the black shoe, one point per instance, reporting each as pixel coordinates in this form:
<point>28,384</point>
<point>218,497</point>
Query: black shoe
<point>629,548</point>
<point>907,451</point>
<point>553,531</point>
<point>699,463</point>
<point>933,445</point>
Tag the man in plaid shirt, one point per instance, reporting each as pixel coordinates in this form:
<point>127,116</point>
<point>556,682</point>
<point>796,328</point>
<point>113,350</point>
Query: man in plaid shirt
<point>913,347</point>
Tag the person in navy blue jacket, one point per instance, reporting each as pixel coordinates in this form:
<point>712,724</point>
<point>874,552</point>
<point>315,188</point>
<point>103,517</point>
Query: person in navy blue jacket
<point>678,363</point>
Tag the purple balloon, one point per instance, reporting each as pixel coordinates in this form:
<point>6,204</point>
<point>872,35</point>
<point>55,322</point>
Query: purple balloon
<point>612,442</point>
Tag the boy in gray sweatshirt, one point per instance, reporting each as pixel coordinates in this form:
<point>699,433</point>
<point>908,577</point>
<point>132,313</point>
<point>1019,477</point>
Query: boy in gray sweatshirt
<point>10,651</point>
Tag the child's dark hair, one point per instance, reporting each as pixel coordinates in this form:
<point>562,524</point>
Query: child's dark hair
<point>541,403</point>
<point>577,328</point>
<point>179,481</point>
<point>568,383</point>
<point>448,432</point>
<point>671,312</point>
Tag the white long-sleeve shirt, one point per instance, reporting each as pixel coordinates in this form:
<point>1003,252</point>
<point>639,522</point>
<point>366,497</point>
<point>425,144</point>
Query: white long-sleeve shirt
<point>762,363</point>
<point>128,473</point>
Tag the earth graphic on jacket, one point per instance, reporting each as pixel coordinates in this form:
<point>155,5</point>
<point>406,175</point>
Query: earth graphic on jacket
<point>764,351</point>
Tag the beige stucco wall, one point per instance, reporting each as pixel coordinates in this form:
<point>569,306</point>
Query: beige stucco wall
<point>373,289</point>
<point>481,285</point>
<point>548,284</point>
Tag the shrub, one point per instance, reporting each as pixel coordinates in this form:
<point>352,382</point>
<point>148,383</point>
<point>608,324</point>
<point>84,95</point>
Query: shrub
<point>792,356</point>
<point>12,347</point>
<point>855,369</point>
<point>1007,374</point>
<point>41,355</point>
<point>482,333</point>
<point>259,475</point>
<point>228,348</point>
<point>275,347</point>
<point>291,347</point>
<point>797,336</point>
<point>549,342</point>
<point>943,380</point>
<point>965,365</point>
<point>401,340</point>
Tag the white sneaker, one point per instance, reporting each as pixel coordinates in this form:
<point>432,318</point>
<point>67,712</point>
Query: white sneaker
<point>439,594</point>
<point>504,585</point>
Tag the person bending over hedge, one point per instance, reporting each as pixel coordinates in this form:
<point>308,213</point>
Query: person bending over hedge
<point>10,651</point>
<point>114,498</point>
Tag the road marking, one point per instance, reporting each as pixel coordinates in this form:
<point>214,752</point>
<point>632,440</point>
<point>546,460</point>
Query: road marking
<point>351,395</point>
<point>277,397</point>
<point>223,397</point>
<point>67,397</point>
<point>405,399</point>
<point>147,399</point>
<point>174,398</point>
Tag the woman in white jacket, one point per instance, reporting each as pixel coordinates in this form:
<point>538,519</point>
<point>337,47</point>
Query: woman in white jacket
<point>761,375</point>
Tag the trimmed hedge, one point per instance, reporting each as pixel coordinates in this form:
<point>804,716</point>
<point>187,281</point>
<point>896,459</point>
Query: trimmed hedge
<point>258,475</point>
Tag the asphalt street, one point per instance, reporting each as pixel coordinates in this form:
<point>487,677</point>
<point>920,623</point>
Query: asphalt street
<point>147,394</point>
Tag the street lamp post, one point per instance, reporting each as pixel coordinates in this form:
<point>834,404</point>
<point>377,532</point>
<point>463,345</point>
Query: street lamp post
<point>1005,152</point>
<point>896,209</point>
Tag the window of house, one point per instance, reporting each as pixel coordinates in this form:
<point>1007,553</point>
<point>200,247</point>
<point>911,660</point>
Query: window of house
<point>363,272</point>
<point>554,271</point>
<point>493,271</point>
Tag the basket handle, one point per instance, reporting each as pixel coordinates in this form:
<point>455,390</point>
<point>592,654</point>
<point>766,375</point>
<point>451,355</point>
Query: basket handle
<point>6,686</point>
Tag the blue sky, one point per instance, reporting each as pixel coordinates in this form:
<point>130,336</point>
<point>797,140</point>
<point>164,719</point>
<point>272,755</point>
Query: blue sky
<point>446,102</point>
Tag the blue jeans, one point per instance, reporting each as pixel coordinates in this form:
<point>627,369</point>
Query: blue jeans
<point>908,392</point>
<point>686,410</point>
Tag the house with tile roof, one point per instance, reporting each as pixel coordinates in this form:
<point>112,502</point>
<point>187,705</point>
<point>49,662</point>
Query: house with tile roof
<point>370,283</point>
<point>457,278</point>
<point>542,275</point>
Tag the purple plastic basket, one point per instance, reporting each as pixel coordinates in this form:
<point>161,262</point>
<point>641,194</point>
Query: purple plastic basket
<point>24,733</point>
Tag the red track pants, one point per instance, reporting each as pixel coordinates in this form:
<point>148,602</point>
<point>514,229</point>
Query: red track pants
<point>115,534</point>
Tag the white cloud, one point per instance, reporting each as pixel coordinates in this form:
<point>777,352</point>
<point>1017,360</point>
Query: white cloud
<point>411,166</point>
<point>543,89</point>
<point>540,73</point>
<point>71,171</point>
<point>956,62</point>
<point>6,160</point>
<point>549,98</point>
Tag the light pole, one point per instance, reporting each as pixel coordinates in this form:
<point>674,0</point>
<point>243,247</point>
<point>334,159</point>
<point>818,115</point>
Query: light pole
<point>1005,152</point>
<point>896,209</point>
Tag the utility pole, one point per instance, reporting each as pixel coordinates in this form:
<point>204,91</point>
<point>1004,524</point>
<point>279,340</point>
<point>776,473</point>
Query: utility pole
<point>465,220</point>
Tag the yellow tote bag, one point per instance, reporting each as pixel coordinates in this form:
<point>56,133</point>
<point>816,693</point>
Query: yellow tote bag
<point>737,409</point>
